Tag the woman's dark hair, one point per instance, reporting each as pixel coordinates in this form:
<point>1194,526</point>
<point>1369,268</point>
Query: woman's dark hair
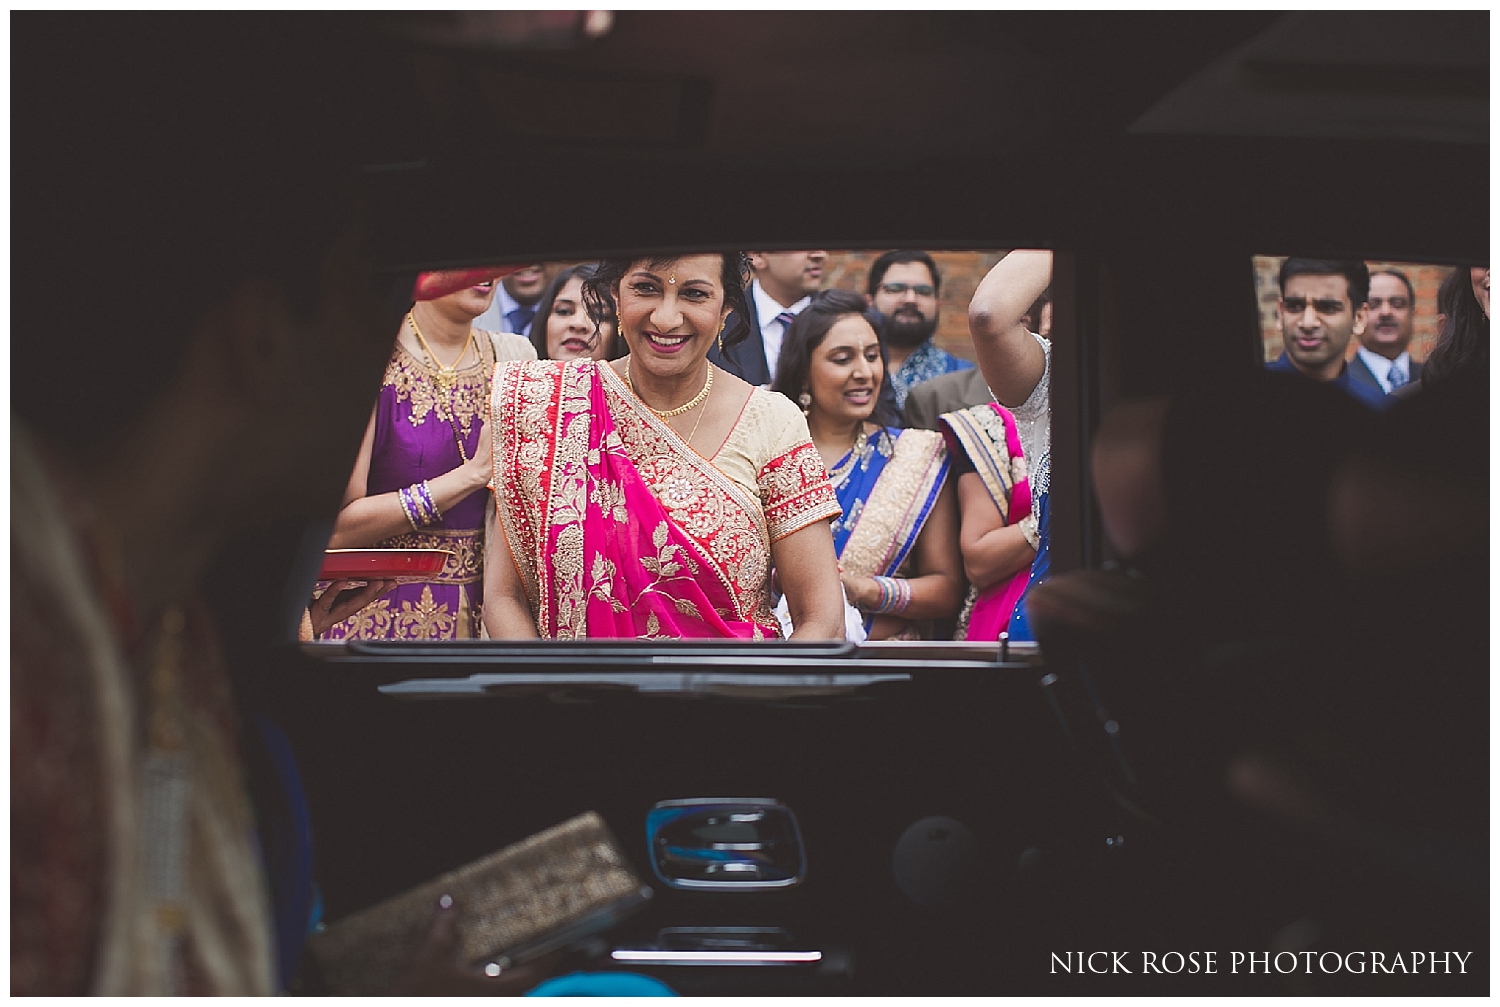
<point>544,310</point>
<point>598,288</point>
<point>1463,346</point>
<point>807,332</point>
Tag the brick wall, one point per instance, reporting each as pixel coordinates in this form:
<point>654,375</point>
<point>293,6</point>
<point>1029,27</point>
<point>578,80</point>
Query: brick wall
<point>1425,279</point>
<point>961,272</point>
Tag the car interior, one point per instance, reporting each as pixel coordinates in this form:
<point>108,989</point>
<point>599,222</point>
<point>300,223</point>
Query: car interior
<point>949,818</point>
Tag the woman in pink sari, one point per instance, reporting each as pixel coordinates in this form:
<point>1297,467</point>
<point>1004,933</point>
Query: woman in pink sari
<point>997,535</point>
<point>651,496</point>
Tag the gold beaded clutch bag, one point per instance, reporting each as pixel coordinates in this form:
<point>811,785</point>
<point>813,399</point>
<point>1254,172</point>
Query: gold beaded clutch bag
<point>541,893</point>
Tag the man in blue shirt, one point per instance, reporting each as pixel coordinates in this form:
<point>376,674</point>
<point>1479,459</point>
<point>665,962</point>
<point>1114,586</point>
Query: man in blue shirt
<point>903,286</point>
<point>517,298</point>
<point>1384,359</point>
<point>1322,306</point>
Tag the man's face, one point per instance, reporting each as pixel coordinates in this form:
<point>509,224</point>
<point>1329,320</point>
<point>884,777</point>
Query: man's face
<point>907,298</point>
<point>1388,330</point>
<point>526,285</point>
<point>788,273</point>
<point>1315,320</point>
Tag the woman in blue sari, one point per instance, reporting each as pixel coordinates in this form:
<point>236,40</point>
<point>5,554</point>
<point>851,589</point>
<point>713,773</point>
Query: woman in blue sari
<point>897,540</point>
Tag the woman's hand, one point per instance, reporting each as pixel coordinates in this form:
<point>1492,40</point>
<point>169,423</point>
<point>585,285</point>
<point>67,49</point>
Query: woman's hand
<point>342,599</point>
<point>863,593</point>
<point>480,468</point>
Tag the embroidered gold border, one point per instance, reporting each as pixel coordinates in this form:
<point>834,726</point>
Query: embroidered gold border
<point>815,499</point>
<point>888,522</point>
<point>465,548</point>
<point>414,379</point>
<point>424,618</point>
<point>984,442</point>
<point>567,502</point>
<point>681,451</point>
<point>520,401</point>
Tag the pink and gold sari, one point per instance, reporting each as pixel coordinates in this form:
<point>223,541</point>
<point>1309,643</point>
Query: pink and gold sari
<point>618,528</point>
<point>988,435</point>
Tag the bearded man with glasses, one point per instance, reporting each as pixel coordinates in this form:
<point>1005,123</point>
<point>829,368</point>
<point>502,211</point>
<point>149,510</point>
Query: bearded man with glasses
<point>903,286</point>
<point>1322,306</point>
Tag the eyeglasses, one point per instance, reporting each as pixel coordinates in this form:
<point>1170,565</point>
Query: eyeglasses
<point>920,289</point>
<point>1322,305</point>
<point>1394,303</point>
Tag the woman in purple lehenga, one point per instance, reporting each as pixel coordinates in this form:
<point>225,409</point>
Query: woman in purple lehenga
<point>419,481</point>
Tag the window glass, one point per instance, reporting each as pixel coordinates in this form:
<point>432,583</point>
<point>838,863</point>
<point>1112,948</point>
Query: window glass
<point>693,493</point>
<point>1425,279</point>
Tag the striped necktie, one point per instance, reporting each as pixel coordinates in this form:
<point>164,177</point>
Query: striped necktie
<point>785,318</point>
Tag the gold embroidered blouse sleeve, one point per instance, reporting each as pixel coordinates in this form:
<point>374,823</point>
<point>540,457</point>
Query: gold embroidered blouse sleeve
<point>770,453</point>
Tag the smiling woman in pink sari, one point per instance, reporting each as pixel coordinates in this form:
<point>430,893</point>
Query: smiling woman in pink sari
<point>651,496</point>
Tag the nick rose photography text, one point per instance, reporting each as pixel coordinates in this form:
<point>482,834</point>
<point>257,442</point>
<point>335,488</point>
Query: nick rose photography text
<point>1258,962</point>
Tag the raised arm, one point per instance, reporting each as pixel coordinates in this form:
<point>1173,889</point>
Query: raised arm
<point>1009,356</point>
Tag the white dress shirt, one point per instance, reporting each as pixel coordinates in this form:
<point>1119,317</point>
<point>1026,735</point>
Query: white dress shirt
<point>773,332</point>
<point>1381,367</point>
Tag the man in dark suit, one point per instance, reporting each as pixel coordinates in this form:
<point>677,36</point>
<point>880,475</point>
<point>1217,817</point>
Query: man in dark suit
<point>784,284</point>
<point>945,393</point>
<point>1382,361</point>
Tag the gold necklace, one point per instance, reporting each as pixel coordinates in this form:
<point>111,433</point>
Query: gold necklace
<point>447,374</point>
<point>696,400</point>
<point>697,423</point>
<point>447,377</point>
<point>839,473</point>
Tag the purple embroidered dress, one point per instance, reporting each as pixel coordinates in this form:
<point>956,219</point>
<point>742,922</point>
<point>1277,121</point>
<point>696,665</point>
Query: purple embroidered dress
<point>418,428</point>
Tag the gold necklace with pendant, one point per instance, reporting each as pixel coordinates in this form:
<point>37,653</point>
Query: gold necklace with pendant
<point>446,378</point>
<point>447,374</point>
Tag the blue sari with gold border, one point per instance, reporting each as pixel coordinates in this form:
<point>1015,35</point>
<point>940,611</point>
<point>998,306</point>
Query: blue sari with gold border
<point>887,485</point>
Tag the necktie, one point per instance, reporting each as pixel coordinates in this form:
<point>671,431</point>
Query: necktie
<point>1395,377</point>
<point>519,318</point>
<point>785,318</point>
